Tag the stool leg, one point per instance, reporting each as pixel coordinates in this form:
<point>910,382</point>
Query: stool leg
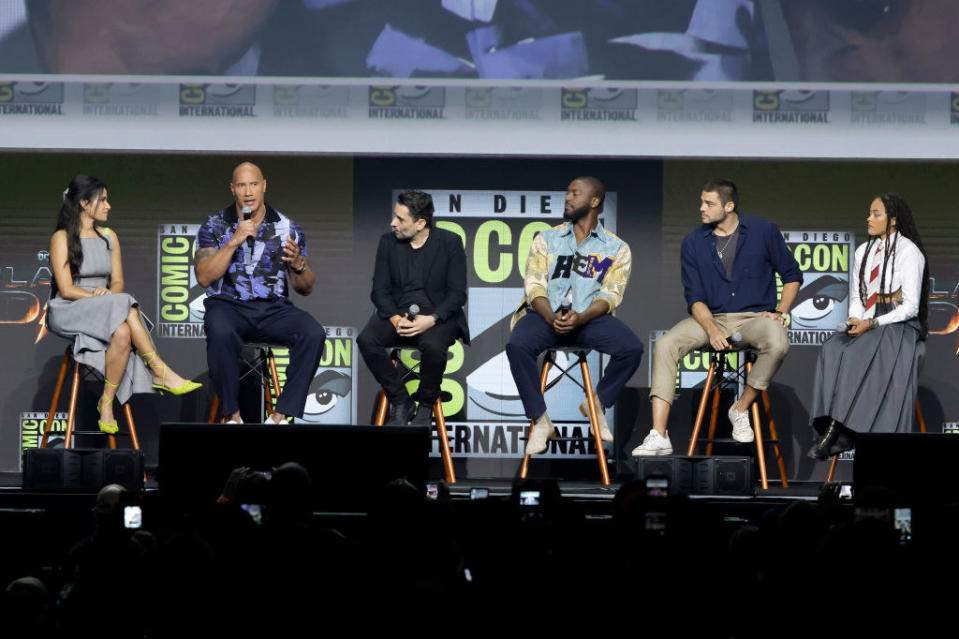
<point>382,404</point>
<point>767,406</point>
<point>128,413</point>
<point>56,397</point>
<point>542,387</point>
<point>214,407</point>
<point>265,381</point>
<point>274,376</point>
<point>919,418</point>
<point>68,442</point>
<point>702,409</point>
<point>713,416</point>
<point>760,452</point>
<point>443,436</point>
<point>594,420</point>
<point>832,468</point>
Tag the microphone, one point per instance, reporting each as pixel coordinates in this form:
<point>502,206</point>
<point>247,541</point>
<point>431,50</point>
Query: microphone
<point>414,311</point>
<point>843,327</point>
<point>735,338</point>
<point>247,214</point>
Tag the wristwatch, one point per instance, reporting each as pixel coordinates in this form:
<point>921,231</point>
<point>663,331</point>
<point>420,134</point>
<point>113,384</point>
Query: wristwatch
<point>298,271</point>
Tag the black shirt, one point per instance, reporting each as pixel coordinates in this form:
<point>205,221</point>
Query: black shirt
<point>411,277</point>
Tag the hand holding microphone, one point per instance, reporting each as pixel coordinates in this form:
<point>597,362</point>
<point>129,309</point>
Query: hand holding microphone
<point>414,323</point>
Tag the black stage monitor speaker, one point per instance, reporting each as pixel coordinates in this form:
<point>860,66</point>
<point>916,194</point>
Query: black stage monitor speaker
<point>718,475</point>
<point>676,469</point>
<point>81,470</point>
<point>346,463</point>
<point>916,468</point>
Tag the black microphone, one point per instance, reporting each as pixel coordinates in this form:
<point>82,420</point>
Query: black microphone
<point>843,327</point>
<point>735,338</point>
<point>414,311</point>
<point>247,214</point>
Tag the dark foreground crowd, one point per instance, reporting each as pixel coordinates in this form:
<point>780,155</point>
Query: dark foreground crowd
<point>659,563</point>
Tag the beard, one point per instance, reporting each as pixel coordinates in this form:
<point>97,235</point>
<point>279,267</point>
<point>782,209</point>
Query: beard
<point>576,214</point>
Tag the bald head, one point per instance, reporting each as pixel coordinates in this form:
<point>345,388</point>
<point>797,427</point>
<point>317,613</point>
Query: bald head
<point>244,167</point>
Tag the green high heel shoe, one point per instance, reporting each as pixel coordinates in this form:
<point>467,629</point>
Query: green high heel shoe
<point>110,428</point>
<point>187,386</point>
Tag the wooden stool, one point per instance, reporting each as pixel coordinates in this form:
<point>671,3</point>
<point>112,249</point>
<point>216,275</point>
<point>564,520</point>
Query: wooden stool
<point>549,360</point>
<point>441,432</point>
<point>717,363</point>
<point>835,458</point>
<point>265,365</point>
<point>71,415</point>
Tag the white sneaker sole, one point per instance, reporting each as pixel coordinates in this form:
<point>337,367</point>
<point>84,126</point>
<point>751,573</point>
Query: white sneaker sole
<point>659,452</point>
<point>747,439</point>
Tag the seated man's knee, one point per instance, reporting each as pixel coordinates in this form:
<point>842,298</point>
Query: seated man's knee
<point>316,333</point>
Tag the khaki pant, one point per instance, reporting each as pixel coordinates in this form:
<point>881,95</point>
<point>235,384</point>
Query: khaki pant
<point>764,334</point>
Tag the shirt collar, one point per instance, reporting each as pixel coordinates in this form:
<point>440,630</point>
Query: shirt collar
<point>599,232</point>
<point>229,214</point>
<point>743,224</point>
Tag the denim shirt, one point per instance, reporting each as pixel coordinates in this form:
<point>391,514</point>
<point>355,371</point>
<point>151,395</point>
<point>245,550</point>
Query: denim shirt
<point>599,267</point>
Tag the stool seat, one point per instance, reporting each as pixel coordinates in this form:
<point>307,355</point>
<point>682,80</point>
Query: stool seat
<point>549,361</point>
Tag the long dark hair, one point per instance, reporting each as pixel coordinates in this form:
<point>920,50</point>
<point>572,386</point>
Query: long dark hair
<point>896,207</point>
<point>82,187</point>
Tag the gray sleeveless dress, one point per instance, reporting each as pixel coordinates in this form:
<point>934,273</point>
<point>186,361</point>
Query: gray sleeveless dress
<point>91,321</point>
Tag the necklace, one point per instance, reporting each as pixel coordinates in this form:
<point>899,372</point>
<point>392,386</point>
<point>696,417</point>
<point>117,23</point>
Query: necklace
<point>722,251</point>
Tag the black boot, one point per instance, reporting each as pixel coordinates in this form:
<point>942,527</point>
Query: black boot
<point>401,410</point>
<point>820,450</point>
<point>423,417</point>
<point>846,440</point>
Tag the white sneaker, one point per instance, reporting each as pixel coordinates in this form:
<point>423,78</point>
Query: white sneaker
<point>235,421</point>
<point>539,434</point>
<point>604,432</point>
<point>654,444</point>
<point>742,431</point>
<point>275,422</point>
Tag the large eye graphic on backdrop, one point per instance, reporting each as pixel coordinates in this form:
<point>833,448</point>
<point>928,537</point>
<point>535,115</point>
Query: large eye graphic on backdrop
<point>819,304</point>
<point>326,390</point>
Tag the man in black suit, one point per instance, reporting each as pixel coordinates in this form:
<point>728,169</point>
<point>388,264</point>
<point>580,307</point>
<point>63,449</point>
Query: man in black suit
<point>416,264</point>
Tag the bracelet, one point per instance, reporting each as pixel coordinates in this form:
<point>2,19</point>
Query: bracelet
<point>299,271</point>
<point>873,322</point>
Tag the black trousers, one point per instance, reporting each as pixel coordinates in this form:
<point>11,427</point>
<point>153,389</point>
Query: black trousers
<point>433,344</point>
<point>231,323</point>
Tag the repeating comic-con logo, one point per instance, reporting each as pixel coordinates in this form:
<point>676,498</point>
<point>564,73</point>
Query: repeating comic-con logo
<point>123,98</point>
<point>691,105</point>
<point>887,107</point>
<point>409,103</point>
<point>826,260</point>
<point>599,104</point>
<point>503,103</point>
<point>332,395</point>
<point>480,398</point>
<point>218,100</point>
<point>31,98</point>
<point>179,296</point>
<point>33,425</point>
<point>310,101</point>
<point>791,107</point>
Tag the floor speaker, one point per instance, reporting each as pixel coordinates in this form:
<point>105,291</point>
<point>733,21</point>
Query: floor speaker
<point>347,464</point>
<point>720,475</point>
<point>677,469</point>
<point>81,470</point>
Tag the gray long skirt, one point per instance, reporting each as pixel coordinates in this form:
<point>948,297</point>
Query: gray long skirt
<point>868,383</point>
<point>90,323</point>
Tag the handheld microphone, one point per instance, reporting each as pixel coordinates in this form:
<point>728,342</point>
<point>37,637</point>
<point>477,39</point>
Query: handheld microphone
<point>843,327</point>
<point>414,311</point>
<point>247,214</point>
<point>735,338</point>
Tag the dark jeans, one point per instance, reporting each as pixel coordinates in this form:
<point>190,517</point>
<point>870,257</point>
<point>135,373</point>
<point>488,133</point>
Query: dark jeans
<point>230,323</point>
<point>606,334</point>
<point>433,344</point>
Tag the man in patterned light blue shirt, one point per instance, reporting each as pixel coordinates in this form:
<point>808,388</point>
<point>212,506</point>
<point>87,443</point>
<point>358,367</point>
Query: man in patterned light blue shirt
<point>247,255</point>
<point>576,276</point>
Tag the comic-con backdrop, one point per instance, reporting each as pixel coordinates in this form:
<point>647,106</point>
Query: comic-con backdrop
<point>496,206</point>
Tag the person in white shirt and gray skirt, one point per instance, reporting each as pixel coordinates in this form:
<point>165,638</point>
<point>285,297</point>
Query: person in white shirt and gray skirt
<point>866,377</point>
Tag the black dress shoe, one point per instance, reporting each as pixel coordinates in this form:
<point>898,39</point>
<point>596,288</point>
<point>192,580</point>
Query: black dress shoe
<point>820,450</point>
<point>400,412</point>
<point>423,417</point>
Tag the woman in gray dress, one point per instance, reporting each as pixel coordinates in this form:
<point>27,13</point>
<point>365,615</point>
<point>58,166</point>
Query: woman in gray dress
<point>866,377</point>
<point>88,304</point>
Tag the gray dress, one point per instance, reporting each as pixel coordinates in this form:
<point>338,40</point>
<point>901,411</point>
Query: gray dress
<point>91,321</point>
<point>868,383</point>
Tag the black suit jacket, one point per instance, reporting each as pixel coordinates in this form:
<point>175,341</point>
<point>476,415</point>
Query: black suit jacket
<point>444,278</point>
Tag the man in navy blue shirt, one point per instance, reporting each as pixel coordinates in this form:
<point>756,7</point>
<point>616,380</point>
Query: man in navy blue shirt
<point>729,279</point>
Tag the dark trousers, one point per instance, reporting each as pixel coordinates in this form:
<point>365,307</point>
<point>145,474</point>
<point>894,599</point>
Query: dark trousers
<point>231,323</point>
<point>433,344</point>
<point>606,334</point>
